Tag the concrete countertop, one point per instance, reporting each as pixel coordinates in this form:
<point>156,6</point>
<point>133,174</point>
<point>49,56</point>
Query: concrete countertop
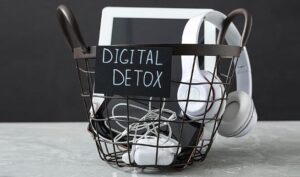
<point>67,150</point>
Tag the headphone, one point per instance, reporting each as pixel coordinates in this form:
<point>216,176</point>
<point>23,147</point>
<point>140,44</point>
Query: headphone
<point>239,116</point>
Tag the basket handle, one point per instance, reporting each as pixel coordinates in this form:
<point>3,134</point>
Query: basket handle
<point>67,19</point>
<point>229,20</point>
<point>71,30</point>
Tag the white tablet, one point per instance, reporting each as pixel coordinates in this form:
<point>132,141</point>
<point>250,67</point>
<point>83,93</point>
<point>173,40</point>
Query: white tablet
<point>126,25</point>
<point>110,15</point>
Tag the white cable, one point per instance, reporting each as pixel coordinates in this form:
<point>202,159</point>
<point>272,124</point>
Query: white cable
<point>151,115</point>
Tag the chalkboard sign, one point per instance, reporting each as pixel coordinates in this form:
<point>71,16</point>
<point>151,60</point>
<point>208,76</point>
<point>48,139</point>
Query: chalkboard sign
<point>133,71</point>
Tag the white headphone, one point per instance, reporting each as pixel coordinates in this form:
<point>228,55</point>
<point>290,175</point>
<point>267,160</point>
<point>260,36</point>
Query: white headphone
<point>239,116</point>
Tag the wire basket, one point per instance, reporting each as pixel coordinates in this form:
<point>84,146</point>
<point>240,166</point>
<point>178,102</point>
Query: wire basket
<point>123,124</point>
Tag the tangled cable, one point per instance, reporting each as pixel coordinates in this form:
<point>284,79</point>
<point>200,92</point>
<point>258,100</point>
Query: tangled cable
<point>144,127</point>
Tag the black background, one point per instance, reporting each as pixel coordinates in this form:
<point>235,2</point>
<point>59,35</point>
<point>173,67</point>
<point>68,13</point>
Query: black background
<point>38,79</point>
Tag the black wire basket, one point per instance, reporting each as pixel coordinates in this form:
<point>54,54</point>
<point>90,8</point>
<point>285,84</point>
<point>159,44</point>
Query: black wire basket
<point>122,124</point>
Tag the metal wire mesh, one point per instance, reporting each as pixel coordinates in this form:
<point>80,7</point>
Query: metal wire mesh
<point>118,131</point>
<point>195,137</point>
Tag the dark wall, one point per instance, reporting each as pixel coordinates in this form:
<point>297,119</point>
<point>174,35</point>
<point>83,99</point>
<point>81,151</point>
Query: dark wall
<point>38,80</point>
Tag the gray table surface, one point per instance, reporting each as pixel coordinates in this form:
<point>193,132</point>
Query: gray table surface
<point>66,150</point>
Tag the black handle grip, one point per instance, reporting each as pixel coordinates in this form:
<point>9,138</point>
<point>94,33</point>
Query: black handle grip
<point>67,19</point>
<point>229,20</point>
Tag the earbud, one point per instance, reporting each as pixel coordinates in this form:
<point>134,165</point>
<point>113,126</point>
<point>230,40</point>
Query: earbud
<point>240,116</point>
<point>144,153</point>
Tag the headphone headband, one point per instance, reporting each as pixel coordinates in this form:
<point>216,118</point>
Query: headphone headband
<point>232,36</point>
<point>229,20</point>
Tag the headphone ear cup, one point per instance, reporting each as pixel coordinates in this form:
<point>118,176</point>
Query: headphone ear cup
<point>240,116</point>
<point>250,125</point>
<point>196,110</point>
<point>193,92</point>
<point>218,101</point>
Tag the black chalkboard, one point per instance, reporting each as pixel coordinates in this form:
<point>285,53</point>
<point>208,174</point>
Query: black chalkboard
<point>133,71</point>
